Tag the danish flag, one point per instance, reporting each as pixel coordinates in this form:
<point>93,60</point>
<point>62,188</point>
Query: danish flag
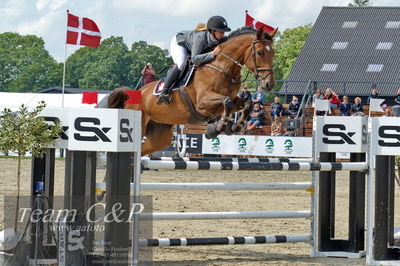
<point>252,22</point>
<point>82,31</point>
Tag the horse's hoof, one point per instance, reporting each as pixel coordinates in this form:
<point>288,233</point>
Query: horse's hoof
<point>229,126</point>
<point>211,132</point>
<point>236,128</point>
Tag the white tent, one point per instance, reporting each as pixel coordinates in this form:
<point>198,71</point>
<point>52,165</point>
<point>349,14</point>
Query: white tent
<point>14,100</point>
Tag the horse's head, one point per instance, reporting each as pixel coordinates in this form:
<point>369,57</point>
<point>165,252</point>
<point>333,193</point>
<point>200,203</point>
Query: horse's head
<point>259,59</point>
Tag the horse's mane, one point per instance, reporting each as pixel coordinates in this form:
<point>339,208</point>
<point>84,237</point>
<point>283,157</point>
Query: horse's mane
<point>246,30</point>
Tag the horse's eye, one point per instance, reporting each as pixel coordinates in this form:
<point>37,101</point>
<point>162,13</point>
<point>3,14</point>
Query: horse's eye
<point>260,53</point>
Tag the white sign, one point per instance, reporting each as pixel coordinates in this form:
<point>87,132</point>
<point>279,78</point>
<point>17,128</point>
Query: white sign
<point>341,134</point>
<point>113,130</point>
<point>259,145</point>
<point>53,115</point>
<point>385,135</point>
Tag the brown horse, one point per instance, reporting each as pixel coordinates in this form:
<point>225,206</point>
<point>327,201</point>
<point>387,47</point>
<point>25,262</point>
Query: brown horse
<point>211,93</point>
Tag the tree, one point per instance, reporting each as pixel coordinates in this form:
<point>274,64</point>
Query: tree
<point>25,65</point>
<point>360,3</point>
<point>23,132</point>
<point>287,48</point>
<point>141,53</point>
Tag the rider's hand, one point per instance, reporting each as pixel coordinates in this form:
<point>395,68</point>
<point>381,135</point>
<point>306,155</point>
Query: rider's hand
<point>217,50</point>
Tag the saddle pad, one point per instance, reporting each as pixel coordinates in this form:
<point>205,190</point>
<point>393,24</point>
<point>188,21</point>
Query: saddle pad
<point>181,82</point>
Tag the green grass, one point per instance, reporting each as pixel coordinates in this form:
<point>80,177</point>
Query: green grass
<point>23,157</point>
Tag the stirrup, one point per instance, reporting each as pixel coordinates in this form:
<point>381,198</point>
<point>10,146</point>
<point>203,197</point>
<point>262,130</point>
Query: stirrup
<point>164,98</point>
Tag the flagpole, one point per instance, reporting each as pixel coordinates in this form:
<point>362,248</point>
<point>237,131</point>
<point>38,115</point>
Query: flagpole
<point>65,62</point>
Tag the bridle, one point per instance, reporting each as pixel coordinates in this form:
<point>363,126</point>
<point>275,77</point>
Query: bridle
<point>257,71</point>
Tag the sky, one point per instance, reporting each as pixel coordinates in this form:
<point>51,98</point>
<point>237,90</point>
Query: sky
<point>153,21</point>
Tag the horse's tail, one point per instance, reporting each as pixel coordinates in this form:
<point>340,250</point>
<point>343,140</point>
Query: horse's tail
<point>117,98</point>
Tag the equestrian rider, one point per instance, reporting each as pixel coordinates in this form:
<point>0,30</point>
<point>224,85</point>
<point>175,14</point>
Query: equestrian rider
<point>202,46</point>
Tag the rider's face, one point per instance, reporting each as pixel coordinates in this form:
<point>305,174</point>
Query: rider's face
<point>218,34</point>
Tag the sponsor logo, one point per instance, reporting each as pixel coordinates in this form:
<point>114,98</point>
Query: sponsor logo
<point>269,146</point>
<point>288,144</point>
<point>80,125</point>
<point>126,131</point>
<point>242,145</point>
<point>51,121</point>
<point>345,137</point>
<point>389,133</point>
<point>215,143</point>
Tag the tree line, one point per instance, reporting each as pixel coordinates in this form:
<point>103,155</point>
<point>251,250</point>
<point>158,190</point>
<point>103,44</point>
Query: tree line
<point>26,66</point>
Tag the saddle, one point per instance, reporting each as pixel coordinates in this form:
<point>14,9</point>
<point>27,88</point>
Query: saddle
<point>183,80</point>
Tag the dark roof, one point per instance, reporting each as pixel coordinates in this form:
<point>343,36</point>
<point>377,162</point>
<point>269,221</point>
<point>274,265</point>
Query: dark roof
<point>69,90</point>
<point>360,52</point>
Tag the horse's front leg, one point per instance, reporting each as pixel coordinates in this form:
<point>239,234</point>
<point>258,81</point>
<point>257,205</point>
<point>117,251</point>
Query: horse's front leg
<point>247,107</point>
<point>213,101</point>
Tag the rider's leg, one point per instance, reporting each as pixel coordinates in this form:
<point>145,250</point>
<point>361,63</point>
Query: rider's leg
<point>179,55</point>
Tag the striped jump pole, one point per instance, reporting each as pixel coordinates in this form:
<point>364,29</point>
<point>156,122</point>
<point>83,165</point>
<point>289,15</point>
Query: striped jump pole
<point>248,166</point>
<point>206,241</point>
<point>219,186</point>
<point>240,160</point>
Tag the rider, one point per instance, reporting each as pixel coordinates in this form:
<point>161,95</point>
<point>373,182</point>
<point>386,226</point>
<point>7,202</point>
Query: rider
<point>201,45</point>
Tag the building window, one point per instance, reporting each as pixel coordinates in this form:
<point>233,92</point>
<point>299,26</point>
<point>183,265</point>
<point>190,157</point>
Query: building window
<point>392,25</point>
<point>340,45</point>
<point>349,24</point>
<point>374,68</point>
<point>384,46</point>
<point>329,67</point>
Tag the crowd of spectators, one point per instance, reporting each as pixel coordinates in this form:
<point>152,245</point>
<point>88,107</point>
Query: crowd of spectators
<point>293,110</point>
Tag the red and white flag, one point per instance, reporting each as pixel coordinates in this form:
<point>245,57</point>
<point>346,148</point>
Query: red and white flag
<point>82,31</point>
<point>252,22</point>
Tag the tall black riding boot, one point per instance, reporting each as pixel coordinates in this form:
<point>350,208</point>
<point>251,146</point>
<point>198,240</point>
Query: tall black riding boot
<point>172,76</point>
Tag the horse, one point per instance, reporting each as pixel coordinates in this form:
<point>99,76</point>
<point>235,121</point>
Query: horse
<point>211,92</point>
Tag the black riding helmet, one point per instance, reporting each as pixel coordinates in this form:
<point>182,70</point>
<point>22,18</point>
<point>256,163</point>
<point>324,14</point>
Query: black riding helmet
<point>217,23</point>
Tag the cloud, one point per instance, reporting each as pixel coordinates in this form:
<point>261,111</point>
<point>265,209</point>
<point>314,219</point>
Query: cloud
<point>181,8</point>
<point>51,4</point>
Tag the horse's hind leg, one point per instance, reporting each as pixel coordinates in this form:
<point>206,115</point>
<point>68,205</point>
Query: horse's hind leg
<point>158,136</point>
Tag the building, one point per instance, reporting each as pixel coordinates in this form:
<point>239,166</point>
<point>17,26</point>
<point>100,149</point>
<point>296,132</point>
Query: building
<point>351,50</point>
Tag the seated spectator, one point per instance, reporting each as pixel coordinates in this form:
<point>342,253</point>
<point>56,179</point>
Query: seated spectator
<point>387,113</point>
<point>276,108</point>
<point>373,95</point>
<point>245,94</point>
<point>334,102</point>
<point>277,128</point>
<point>294,107</point>
<point>397,99</point>
<point>317,96</point>
<point>345,106</point>
<point>290,132</point>
<point>148,73</point>
<point>256,117</point>
<point>259,97</point>
<point>357,108</point>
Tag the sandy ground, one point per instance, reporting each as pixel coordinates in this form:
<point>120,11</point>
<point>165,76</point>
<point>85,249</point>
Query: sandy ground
<point>263,254</point>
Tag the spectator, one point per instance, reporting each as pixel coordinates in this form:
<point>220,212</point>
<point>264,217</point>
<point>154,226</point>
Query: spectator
<point>245,94</point>
<point>397,99</point>
<point>276,108</point>
<point>387,113</point>
<point>148,73</point>
<point>373,95</point>
<point>256,117</point>
<point>290,132</point>
<point>345,106</point>
<point>317,96</point>
<point>294,107</point>
<point>357,108</point>
<point>259,97</point>
<point>277,128</point>
<point>333,101</point>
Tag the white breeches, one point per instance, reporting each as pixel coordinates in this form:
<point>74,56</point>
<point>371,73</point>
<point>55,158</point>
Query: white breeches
<point>179,54</point>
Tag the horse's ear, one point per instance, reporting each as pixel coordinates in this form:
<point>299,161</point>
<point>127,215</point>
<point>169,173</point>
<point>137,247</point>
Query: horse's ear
<point>260,32</point>
<point>273,34</point>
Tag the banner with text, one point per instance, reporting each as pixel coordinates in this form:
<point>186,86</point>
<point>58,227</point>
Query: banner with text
<point>259,145</point>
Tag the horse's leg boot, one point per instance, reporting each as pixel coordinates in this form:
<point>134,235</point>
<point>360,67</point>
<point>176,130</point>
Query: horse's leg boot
<point>169,81</point>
